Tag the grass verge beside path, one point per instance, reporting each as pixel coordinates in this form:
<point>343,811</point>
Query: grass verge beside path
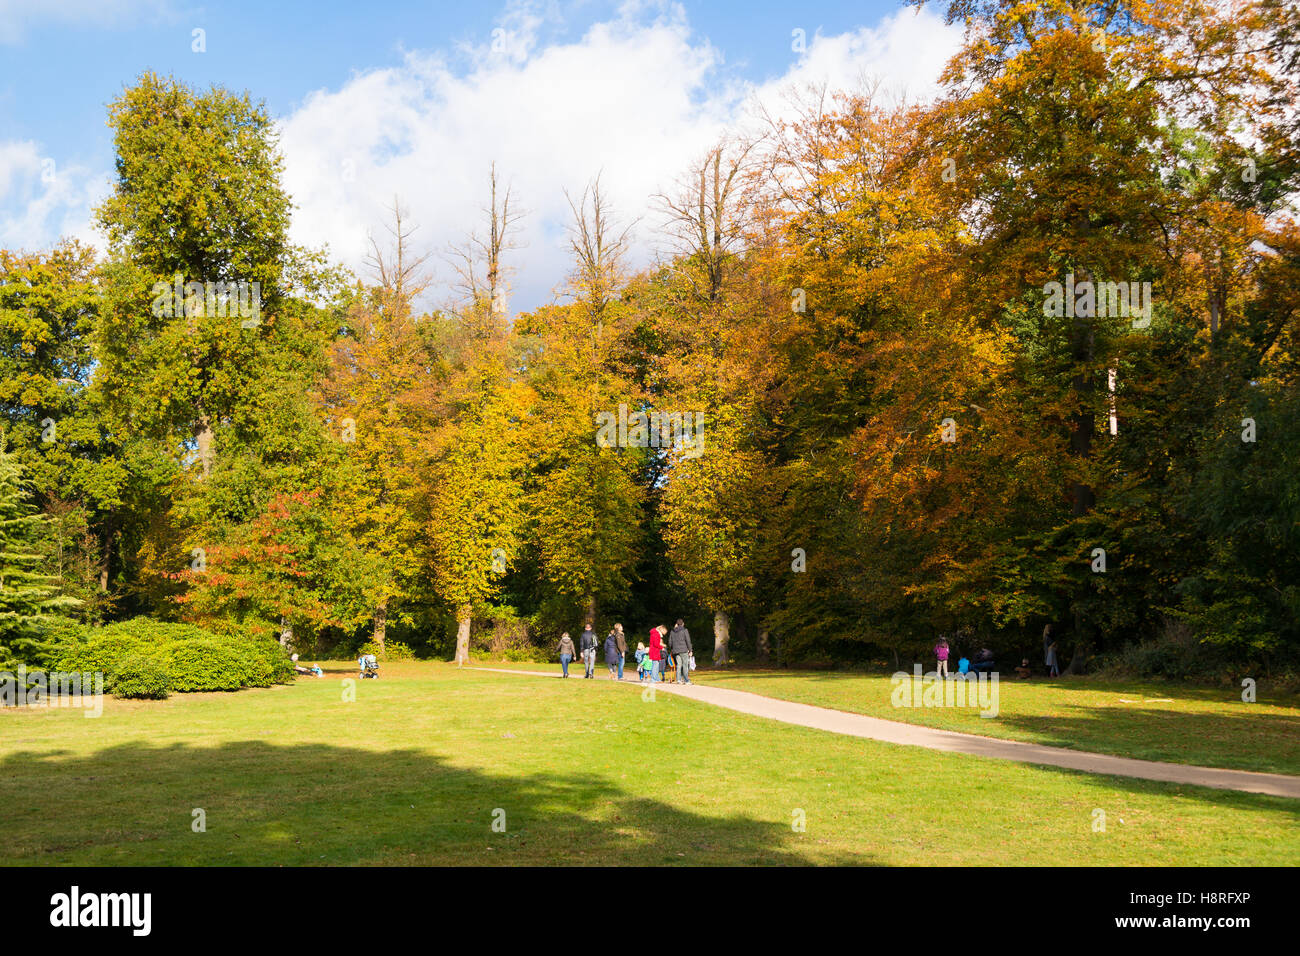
<point>416,769</point>
<point>1208,727</point>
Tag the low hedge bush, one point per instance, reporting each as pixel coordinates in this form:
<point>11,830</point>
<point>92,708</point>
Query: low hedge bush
<point>137,655</point>
<point>142,676</point>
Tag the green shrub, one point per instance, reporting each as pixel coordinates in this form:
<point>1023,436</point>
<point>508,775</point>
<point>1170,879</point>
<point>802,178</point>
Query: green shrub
<point>142,676</point>
<point>1173,654</point>
<point>148,631</point>
<point>193,658</point>
<point>100,652</point>
<point>204,664</point>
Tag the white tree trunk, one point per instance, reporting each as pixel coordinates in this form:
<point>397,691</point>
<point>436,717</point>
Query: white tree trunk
<point>462,636</point>
<point>205,444</point>
<point>721,634</point>
<point>764,650</point>
<point>286,632</point>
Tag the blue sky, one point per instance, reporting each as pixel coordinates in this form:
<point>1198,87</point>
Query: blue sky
<point>351,79</point>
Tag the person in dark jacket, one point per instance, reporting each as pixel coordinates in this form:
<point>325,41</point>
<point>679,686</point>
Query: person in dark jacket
<point>587,645</point>
<point>611,654</point>
<point>679,645</point>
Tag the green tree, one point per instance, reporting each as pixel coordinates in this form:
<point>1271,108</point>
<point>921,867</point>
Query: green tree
<point>29,598</point>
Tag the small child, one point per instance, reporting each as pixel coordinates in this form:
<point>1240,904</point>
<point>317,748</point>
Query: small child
<point>1023,670</point>
<point>963,666</point>
<point>642,655</point>
<point>941,655</point>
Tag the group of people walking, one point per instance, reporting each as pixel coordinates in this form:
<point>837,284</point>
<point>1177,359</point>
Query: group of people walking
<point>668,650</point>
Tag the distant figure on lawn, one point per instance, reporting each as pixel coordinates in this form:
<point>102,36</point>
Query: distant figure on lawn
<point>983,661</point>
<point>941,655</point>
<point>587,644</point>
<point>963,666</point>
<point>566,652</point>
<point>1052,669</point>
<point>656,653</point>
<point>642,661</point>
<point>679,645</point>
<point>1023,670</point>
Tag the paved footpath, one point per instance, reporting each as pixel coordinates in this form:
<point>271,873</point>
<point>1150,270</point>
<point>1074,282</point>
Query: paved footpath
<point>894,732</point>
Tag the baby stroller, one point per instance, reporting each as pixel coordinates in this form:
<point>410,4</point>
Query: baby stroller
<point>369,666</point>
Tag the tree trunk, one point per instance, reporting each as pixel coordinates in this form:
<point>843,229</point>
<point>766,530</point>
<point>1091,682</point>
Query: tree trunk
<point>381,625</point>
<point>203,438</point>
<point>589,609</point>
<point>1084,425</point>
<point>721,634</point>
<point>764,650</point>
<point>463,617</point>
<point>286,632</point>
<point>109,540</point>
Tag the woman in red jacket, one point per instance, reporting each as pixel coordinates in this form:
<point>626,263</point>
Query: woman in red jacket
<point>656,653</point>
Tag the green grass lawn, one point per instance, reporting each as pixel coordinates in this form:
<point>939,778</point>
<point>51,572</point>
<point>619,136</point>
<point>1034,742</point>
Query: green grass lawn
<point>1151,721</point>
<point>415,768</point>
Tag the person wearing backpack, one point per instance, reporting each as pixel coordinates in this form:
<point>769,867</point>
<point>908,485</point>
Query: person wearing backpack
<point>587,645</point>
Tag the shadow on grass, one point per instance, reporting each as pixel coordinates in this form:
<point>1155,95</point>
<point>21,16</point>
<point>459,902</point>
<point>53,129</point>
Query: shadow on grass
<point>329,805</point>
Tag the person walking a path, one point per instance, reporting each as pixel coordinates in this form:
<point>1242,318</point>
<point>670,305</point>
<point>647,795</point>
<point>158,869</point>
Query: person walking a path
<point>621,642</point>
<point>656,654</point>
<point>679,645</point>
<point>566,652</point>
<point>587,644</point>
<point>611,656</point>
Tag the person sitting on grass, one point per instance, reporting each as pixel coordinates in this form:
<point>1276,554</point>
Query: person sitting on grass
<point>314,670</point>
<point>1023,670</point>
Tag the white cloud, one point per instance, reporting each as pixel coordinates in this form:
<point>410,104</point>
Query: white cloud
<point>638,97</point>
<point>41,201</point>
